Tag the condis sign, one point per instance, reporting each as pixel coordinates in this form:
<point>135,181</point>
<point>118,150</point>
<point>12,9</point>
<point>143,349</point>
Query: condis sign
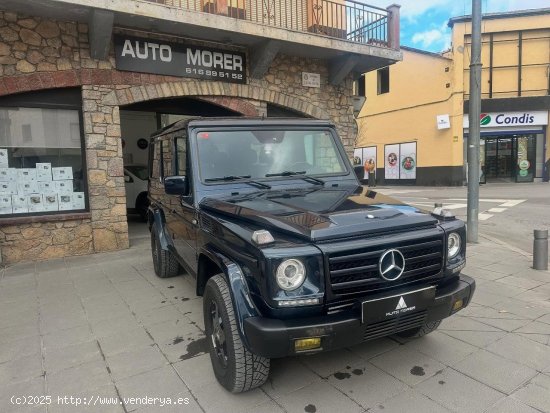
<point>500,119</point>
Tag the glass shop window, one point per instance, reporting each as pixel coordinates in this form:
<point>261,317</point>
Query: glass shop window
<point>42,169</point>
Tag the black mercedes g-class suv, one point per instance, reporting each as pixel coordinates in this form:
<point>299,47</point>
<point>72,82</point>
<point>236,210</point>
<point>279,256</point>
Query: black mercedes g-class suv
<point>290,253</point>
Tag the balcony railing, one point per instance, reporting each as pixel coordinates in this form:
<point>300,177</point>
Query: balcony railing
<point>343,19</point>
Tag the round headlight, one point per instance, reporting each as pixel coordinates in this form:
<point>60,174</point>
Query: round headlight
<point>453,245</point>
<point>291,274</point>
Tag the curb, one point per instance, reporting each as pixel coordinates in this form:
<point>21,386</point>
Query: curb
<point>506,245</point>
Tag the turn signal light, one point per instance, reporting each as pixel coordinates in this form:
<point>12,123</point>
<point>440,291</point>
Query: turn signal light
<point>262,237</point>
<point>458,305</point>
<point>303,344</point>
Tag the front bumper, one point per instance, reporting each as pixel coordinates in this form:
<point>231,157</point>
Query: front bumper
<point>273,338</point>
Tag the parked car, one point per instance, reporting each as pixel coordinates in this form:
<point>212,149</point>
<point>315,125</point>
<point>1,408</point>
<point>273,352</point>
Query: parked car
<point>290,253</point>
<point>135,182</point>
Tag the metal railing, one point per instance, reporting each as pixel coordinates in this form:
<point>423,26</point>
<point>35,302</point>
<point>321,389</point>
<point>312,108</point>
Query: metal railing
<point>343,19</point>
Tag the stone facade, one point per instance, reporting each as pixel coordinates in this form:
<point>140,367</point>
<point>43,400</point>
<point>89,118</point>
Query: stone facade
<point>37,54</point>
<point>45,240</point>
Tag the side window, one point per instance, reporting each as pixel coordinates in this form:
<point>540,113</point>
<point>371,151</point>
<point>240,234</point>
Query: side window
<point>181,159</point>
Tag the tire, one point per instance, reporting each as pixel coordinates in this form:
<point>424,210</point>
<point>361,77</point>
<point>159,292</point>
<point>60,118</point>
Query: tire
<point>164,262</point>
<point>142,205</point>
<point>418,332</point>
<point>235,367</point>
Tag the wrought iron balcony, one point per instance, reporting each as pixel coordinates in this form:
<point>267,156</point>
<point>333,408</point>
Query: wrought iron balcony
<point>342,19</point>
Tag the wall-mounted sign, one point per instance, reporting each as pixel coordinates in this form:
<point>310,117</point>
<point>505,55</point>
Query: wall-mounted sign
<point>179,59</point>
<point>503,119</point>
<point>443,122</point>
<point>311,79</point>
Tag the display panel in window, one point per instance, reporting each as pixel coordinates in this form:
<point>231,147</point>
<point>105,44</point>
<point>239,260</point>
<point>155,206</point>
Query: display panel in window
<point>41,161</point>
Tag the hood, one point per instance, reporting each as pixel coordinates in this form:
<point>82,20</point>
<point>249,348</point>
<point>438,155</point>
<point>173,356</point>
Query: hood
<point>321,214</point>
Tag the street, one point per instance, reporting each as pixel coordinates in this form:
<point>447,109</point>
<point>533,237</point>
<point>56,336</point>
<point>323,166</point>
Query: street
<point>508,212</point>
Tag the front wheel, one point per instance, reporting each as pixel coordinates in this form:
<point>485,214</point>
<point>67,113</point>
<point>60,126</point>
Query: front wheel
<point>235,367</point>
<point>421,331</point>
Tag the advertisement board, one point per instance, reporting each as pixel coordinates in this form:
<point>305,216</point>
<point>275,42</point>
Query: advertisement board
<point>391,161</point>
<point>364,160</point>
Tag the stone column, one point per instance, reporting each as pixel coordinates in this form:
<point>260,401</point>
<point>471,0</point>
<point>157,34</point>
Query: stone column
<point>105,168</point>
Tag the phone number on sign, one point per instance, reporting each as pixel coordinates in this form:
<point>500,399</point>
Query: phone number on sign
<point>214,73</point>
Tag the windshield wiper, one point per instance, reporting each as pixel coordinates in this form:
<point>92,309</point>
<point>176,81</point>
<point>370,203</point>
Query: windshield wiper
<point>230,178</point>
<point>299,174</point>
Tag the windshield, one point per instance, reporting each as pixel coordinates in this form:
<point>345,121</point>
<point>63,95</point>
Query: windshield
<point>140,171</point>
<point>256,154</point>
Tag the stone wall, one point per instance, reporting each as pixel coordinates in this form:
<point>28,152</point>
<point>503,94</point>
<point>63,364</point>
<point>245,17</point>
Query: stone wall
<point>37,53</point>
<point>45,240</point>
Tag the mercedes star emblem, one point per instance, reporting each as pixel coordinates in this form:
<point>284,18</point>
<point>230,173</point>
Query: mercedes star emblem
<point>391,265</point>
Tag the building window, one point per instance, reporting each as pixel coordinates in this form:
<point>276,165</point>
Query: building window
<point>359,87</point>
<point>383,80</point>
<point>42,168</point>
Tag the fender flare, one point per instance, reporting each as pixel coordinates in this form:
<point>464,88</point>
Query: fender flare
<point>243,306</point>
<point>157,217</point>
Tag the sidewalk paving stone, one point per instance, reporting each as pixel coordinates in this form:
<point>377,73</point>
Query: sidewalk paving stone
<point>135,361</point>
<point>407,401</point>
<point>523,350</point>
<point>479,339</point>
<point>286,376</point>
<point>458,392</point>
<point>319,397</point>
<point>78,379</point>
<point>511,405</point>
<point>443,348</point>
<point>408,365</point>
<point>121,342</point>
<point>21,369</point>
<point>162,382</point>
<point>495,371</point>
<point>58,359</point>
<point>367,384</point>
<point>536,393</point>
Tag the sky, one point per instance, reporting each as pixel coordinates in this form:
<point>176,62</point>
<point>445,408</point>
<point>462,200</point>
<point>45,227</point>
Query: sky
<point>424,22</point>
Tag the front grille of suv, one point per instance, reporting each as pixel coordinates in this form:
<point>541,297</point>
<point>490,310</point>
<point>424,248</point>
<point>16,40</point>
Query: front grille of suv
<point>356,271</point>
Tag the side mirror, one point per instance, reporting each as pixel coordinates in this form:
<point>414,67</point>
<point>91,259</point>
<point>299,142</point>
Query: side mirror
<point>128,179</point>
<point>176,185</point>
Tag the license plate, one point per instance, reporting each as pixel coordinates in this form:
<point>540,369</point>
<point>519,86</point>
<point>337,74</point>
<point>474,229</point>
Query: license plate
<point>385,308</point>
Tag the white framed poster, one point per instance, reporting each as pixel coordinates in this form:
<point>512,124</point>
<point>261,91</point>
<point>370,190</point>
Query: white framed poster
<point>369,160</point>
<point>407,160</point>
<point>364,161</point>
<point>358,162</point>
<point>391,161</point>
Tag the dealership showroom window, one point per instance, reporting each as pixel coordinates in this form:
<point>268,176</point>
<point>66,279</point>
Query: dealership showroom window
<point>42,167</point>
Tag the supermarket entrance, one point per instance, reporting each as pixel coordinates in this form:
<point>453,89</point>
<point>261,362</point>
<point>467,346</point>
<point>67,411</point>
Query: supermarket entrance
<point>510,158</point>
